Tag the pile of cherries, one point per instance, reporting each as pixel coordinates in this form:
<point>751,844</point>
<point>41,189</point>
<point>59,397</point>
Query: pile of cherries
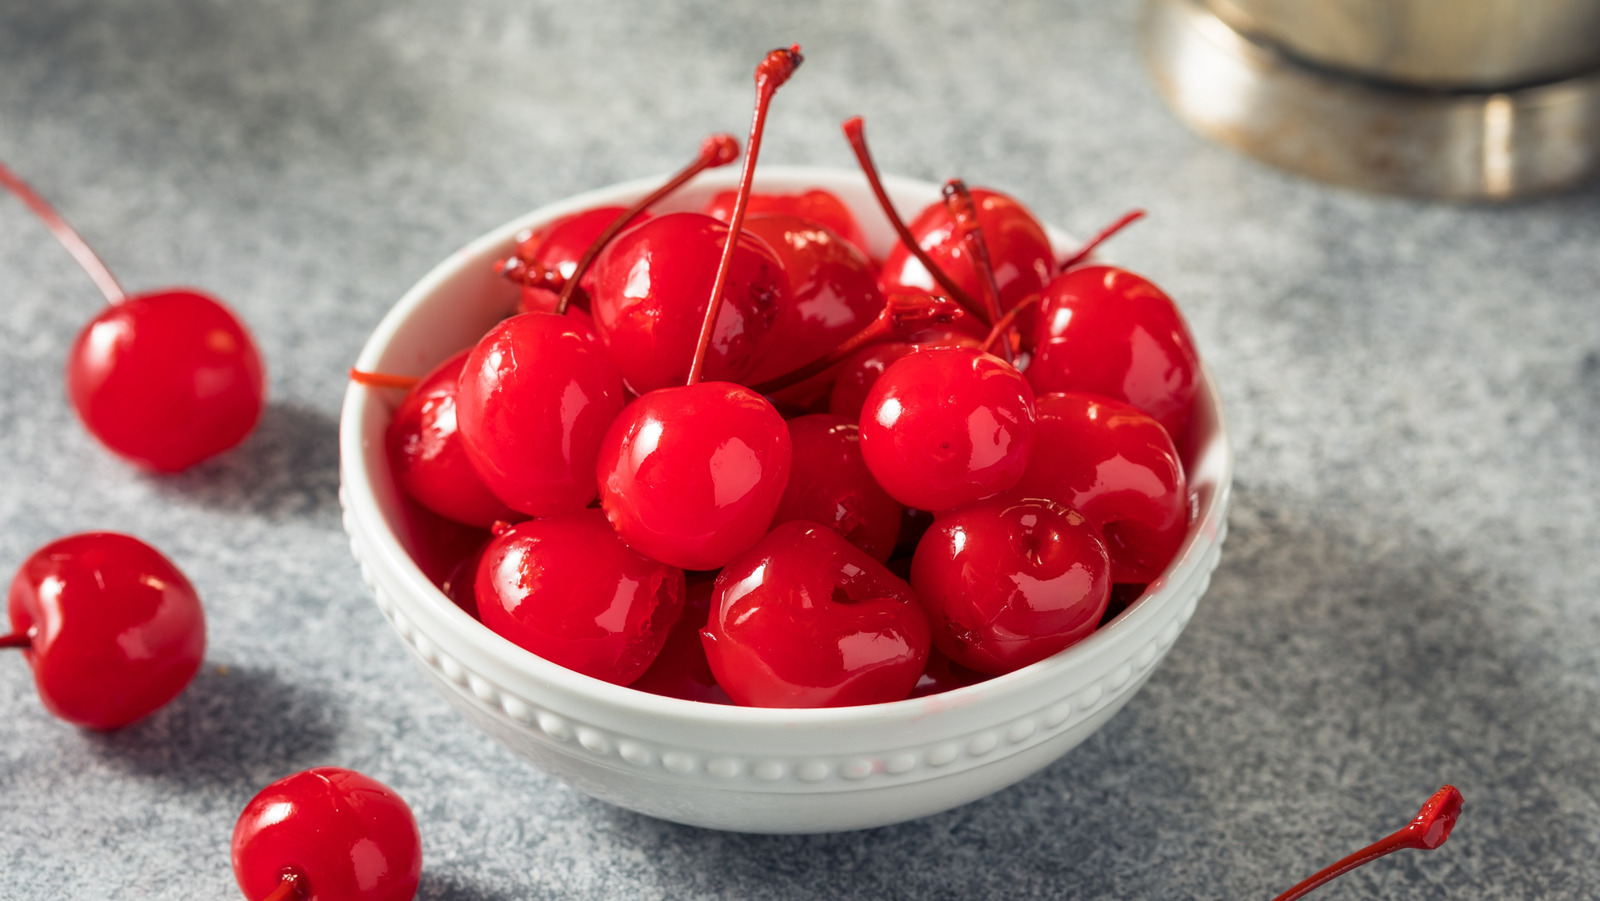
<point>818,478</point>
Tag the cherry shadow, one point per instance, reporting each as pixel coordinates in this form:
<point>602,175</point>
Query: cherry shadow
<point>232,728</point>
<point>288,468</point>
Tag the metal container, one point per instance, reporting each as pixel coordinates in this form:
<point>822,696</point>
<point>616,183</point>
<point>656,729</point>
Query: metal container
<point>1468,99</point>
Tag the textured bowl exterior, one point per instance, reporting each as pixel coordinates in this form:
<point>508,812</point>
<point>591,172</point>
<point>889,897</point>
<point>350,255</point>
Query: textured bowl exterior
<point>741,769</point>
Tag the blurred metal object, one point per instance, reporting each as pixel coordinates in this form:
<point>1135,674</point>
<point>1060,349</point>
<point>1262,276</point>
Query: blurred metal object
<point>1462,99</point>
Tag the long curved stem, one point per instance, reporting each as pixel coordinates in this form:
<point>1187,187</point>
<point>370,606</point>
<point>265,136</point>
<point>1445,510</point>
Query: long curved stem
<point>1003,325</point>
<point>1428,830</point>
<point>902,315</point>
<point>16,640</point>
<point>964,216</point>
<point>771,73</point>
<point>716,150</point>
<point>855,133</point>
<point>1082,253</point>
<point>96,268</point>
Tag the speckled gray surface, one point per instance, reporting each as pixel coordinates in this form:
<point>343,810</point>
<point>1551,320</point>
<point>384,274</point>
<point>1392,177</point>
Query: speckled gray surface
<point>1410,594</point>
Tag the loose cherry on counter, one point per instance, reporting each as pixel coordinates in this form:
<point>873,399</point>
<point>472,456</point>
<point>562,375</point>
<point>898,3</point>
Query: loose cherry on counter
<point>1427,830</point>
<point>327,834</point>
<point>830,484</point>
<point>1117,466</point>
<point>165,378</point>
<point>947,426</point>
<point>1104,330</point>
<point>568,589</point>
<point>110,627</point>
<point>692,476</point>
<point>1010,581</point>
<point>806,619</point>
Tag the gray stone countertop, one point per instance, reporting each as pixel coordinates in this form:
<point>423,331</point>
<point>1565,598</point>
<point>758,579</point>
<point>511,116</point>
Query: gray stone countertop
<point>1410,593</point>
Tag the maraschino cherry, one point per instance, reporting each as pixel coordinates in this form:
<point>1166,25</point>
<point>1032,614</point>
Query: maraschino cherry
<point>327,834</point>
<point>692,476</point>
<point>568,589</point>
<point>164,378</point>
<point>681,669</point>
<point>1009,581</point>
<point>830,484</point>
<point>111,628</point>
<point>1427,830</point>
<point>806,619</point>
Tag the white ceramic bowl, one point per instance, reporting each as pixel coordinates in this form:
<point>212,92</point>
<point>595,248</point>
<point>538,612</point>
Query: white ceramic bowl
<point>744,769</point>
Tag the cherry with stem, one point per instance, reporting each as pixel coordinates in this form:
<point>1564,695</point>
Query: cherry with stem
<point>855,133</point>
<point>1426,831</point>
<point>964,214</point>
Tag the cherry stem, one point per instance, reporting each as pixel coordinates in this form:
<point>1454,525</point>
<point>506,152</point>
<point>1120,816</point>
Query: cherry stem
<point>96,268</point>
<point>771,73</point>
<point>716,150</point>
<point>1083,252</point>
<point>16,640</point>
<point>903,315</point>
<point>1428,830</point>
<point>964,215</point>
<point>291,888</point>
<point>855,133</point>
<point>1003,325</point>
<point>382,379</point>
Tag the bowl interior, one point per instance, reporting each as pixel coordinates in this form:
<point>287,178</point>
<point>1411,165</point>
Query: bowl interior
<point>456,303</point>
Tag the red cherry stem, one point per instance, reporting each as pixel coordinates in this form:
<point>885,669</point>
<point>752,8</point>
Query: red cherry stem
<point>716,150</point>
<point>855,133</point>
<point>382,379</point>
<point>1426,831</point>
<point>1083,252</point>
<point>16,640</point>
<point>292,888</point>
<point>964,215</point>
<point>1004,323</point>
<point>903,315</point>
<point>771,73</point>
<point>98,272</point>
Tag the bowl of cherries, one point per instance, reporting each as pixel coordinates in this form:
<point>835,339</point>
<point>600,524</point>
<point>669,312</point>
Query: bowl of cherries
<point>741,502</point>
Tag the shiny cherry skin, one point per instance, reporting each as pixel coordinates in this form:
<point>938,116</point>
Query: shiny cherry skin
<point>1010,581</point>
<point>1104,330</point>
<point>1019,250</point>
<point>537,393</point>
<point>833,292</point>
<point>815,205</point>
<point>807,619</point>
<point>428,458</point>
<point>829,483</point>
<point>568,589</point>
<point>652,285</point>
<point>692,476</point>
<point>344,836</point>
<point>860,371</point>
<point>1116,465</point>
<point>681,669</point>
<point>947,426</point>
<point>115,630</point>
<point>166,379</point>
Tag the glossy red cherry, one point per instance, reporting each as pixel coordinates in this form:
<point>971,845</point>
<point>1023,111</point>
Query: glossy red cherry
<point>166,379</point>
<point>1116,465</point>
<point>833,292</point>
<point>692,476</point>
<point>947,426</point>
<point>1018,247</point>
<point>568,589</point>
<point>815,205</point>
<point>537,394</point>
<point>557,247</point>
<point>806,619</point>
<point>112,630</point>
<point>830,484</point>
<point>1104,330</point>
<point>1010,581</point>
<point>327,834</point>
<point>427,455</point>
<point>681,669</point>
<point>651,288</point>
<point>860,371</point>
